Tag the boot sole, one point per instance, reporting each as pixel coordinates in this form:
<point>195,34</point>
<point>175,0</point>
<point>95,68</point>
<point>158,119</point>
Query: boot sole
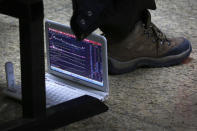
<point>116,67</point>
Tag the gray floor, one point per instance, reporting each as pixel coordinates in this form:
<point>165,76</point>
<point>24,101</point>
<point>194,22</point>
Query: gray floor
<point>148,99</point>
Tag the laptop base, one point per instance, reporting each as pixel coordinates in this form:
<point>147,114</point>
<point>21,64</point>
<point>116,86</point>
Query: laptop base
<point>57,91</point>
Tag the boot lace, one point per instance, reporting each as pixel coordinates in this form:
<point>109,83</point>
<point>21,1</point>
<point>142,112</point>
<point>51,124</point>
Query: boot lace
<point>153,32</point>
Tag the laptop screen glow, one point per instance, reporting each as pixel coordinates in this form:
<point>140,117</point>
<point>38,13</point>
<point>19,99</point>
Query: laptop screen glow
<point>79,59</point>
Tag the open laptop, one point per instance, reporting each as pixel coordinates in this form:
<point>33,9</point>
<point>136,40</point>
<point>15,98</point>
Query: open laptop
<point>75,68</point>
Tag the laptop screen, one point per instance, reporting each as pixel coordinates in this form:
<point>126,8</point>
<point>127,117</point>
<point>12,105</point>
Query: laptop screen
<point>79,59</point>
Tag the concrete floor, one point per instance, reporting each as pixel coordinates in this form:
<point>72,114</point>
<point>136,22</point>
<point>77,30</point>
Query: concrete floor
<point>148,99</point>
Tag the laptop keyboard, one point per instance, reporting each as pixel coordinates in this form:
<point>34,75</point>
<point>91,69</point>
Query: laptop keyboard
<point>56,93</point>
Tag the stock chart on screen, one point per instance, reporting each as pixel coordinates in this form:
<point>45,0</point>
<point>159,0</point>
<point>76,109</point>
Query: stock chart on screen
<point>80,59</point>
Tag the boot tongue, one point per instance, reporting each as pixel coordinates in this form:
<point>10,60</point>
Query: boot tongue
<point>146,18</point>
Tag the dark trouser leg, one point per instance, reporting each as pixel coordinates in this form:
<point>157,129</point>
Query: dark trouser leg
<point>113,17</point>
<point>125,15</point>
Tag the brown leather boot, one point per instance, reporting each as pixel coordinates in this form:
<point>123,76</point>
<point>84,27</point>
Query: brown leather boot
<point>146,45</point>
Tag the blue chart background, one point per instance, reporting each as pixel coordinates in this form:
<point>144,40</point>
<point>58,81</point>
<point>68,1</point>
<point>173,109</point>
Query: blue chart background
<point>81,58</point>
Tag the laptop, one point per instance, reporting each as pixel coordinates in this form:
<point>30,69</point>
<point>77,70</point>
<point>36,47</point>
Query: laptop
<point>75,68</point>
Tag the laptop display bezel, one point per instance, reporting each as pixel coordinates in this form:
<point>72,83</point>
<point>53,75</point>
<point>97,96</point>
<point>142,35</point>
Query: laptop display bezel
<point>92,37</point>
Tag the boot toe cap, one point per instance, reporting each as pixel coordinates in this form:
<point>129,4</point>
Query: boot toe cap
<point>181,47</point>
